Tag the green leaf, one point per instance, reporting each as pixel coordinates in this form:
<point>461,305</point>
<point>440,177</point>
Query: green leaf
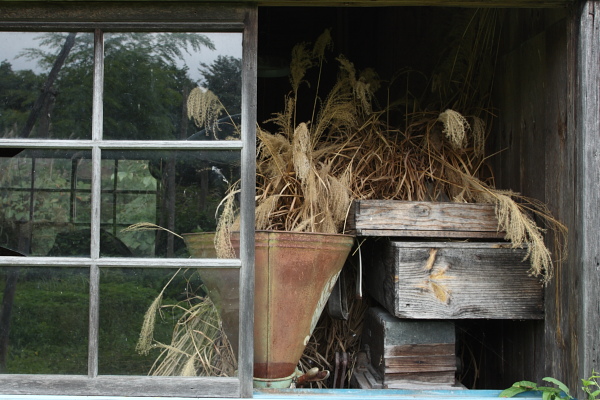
<point>558,383</point>
<point>548,395</point>
<point>526,384</point>
<point>553,392</point>
<point>512,391</point>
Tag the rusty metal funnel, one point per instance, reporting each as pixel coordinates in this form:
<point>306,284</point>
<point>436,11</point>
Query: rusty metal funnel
<point>294,275</point>
<point>222,283</point>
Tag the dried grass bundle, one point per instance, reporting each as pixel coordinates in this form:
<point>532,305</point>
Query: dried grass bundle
<point>298,190</point>
<point>198,345</point>
<point>204,107</point>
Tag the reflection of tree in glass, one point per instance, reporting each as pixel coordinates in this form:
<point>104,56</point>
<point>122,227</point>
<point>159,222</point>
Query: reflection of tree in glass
<point>224,78</point>
<point>144,87</point>
<point>17,94</point>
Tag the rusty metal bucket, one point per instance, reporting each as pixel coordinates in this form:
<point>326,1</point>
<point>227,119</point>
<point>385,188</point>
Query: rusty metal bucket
<point>294,275</point>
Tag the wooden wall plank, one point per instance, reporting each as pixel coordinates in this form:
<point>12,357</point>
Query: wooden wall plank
<point>563,303</point>
<point>531,97</point>
<point>548,100</point>
<point>588,176</point>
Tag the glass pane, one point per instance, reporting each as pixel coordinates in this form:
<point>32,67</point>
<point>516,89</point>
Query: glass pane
<point>153,81</point>
<point>46,85</point>
<point>161,322</point>
<point>45,202</point>
<point>44,324</point>
<point>178,191</point>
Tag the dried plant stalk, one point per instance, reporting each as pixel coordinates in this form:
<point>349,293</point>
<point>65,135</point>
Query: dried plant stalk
<point>198,347</point>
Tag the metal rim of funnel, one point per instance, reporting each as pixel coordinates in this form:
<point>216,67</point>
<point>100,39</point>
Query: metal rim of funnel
<point>275,383</point>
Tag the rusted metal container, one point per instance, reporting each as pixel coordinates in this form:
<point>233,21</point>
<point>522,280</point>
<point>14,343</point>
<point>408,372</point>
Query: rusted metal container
<point>222,283</point>
<point>294,275</point>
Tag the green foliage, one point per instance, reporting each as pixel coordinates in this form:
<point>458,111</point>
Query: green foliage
<point>561,391</point>
<point>224,78</point>
<point>18,91</point>
<point>590,384</point>
<point>49,324</point>
<point>548,392</point>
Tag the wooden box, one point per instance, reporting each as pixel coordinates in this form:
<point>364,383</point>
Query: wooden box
<point>451,280</point>
<point>408,353</point>
<point>422,219</point>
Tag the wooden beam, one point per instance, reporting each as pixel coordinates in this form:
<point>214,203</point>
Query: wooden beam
<point>119,11</point>
<point>588,177</point>
<point>440,3</point>
<point>355,3</point>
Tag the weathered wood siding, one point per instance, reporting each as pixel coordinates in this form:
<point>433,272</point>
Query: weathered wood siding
<point>587,244</point>
<point>547,95</point>
<point>532,102</point>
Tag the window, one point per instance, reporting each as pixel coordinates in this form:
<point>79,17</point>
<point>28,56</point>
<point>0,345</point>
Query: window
<point>99,133</point>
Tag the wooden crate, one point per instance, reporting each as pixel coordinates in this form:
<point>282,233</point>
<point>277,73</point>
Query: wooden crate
<point>409,353</point>
<point>422,219</point>
<point>451,280</point>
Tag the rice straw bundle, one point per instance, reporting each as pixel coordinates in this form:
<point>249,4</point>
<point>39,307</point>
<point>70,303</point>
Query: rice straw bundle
<point>198,345</point>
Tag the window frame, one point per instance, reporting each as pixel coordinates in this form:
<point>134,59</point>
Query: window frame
<point>150,17</point>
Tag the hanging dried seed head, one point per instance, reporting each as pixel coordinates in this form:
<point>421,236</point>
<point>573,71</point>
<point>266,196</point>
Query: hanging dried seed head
<point>204,108</point>
<point>455,128</point>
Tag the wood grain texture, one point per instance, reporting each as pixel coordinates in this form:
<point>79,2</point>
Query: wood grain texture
<point>423,219</point>
<point>589,171</point>
<point>418,350</point>
<point>406,380</point>
<point>407,364</point>
<point>119,11</point>
<point>109,385</point>
<point>248,179</point>
<point>547,99</point>
<point>382,3</point>
<point>465,280</point>
<point>406,352</point>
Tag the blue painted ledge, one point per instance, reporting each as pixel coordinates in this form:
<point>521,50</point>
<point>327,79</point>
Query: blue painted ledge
<point>317,394</point>
<point>382,394</point>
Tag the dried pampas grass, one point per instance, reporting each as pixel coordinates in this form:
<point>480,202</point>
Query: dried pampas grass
<point>298,190</point>
<point>198,346</point>
<point>455,128</point>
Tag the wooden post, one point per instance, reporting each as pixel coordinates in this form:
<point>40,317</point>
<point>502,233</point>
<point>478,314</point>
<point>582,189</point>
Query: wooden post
<point>588,174</point>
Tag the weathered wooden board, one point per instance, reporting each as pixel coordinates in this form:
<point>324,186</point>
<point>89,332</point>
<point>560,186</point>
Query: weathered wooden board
<point>451,280</point>
<point>536,136</point>
<point>374,3</point>
<point>409,352</point>
<point>112,385</point>
<point>421,364</point>
<point>423,219</point>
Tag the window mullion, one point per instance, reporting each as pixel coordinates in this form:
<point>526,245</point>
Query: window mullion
<point>97,120</point>
<point>97,115</point>
<point>94,321</point>
<point>248,192</point>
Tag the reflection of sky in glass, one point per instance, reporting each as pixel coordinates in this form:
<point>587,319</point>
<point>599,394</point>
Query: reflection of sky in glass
<point>13,43</point>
